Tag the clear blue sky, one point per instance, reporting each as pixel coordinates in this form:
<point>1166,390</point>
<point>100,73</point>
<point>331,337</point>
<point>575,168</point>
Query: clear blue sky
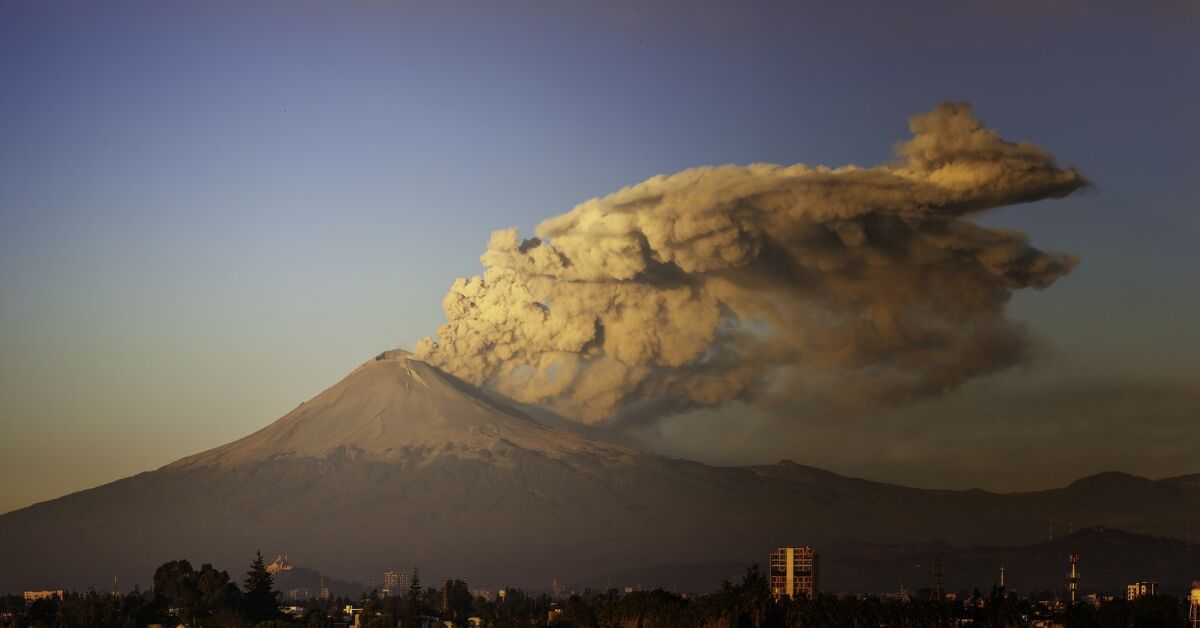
<point>211,211</point>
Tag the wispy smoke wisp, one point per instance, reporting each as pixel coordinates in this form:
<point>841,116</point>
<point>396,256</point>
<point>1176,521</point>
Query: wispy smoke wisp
<point>744,282</point>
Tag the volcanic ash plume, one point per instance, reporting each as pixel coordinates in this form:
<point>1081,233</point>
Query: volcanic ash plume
<point>752,282</point>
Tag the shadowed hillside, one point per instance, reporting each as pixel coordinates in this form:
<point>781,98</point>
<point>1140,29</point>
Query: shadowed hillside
<point>1109,559</point>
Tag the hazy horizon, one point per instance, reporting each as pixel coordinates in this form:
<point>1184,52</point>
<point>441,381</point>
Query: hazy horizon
<point>211,213</point>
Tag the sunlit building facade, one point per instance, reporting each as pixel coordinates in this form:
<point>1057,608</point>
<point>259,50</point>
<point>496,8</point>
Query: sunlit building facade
<point>794,572</point>
<point>1138,589</point>
<point>394,583</point>
<point>33,596</point>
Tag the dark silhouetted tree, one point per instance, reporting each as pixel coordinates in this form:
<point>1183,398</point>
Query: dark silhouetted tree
<point>260,600</point>
<point>416,595</point>
<point>458,600</point>
<point>217,596</point>
<point>175,587</point>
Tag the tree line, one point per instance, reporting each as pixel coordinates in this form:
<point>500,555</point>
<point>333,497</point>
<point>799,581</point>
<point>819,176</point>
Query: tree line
<point>181,595</point>
<point>206,597</point>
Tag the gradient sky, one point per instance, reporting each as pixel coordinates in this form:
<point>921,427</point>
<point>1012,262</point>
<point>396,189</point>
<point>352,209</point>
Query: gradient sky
<point>209,212</point>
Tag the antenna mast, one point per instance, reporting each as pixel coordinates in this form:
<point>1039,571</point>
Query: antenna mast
<point>1073,577</point>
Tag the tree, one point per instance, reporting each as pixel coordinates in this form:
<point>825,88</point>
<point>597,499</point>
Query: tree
<point>175,586</point>
<point>414,602</point>
<point>217,596</point>
<point>261,601</point>
<point>577,612</point>
<point>756,600</point>
<point>458,600</point>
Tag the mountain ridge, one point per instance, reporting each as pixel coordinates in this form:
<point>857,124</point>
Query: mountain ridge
<point>401,464</point>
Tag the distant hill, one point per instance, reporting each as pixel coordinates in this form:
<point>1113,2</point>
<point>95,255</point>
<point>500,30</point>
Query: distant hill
<point>1109,559</point>
<point>310,580</point>
<point>401,464</point>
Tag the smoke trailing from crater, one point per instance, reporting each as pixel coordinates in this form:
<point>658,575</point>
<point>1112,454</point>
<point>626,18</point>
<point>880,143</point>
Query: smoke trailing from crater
<point>755,282</point>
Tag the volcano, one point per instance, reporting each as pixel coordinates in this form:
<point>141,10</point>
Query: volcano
<point>400,410</point>
<point>401,464</point>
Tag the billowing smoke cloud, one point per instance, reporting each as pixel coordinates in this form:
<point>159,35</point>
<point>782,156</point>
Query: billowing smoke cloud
<point>751,282</point>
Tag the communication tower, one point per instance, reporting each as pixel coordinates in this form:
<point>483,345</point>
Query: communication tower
<point>1073,578</point>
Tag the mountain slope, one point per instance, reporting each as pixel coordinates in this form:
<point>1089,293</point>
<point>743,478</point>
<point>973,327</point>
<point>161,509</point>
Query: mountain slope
<point>400,464</point>
<point>398,409</point>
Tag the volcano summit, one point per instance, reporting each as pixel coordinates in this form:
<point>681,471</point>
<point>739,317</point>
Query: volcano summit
<point>400,410</point>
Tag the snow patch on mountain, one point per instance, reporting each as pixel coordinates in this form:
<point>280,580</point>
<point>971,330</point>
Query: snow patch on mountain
<point>397,408</point>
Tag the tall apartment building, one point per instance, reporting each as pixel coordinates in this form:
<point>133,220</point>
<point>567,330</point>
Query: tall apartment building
<point>394,583</point>
<point>794,572</point>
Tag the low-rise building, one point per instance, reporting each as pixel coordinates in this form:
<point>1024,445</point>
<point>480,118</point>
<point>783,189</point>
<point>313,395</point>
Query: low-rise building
<point>33,596</point>
<point>1138,589</point>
